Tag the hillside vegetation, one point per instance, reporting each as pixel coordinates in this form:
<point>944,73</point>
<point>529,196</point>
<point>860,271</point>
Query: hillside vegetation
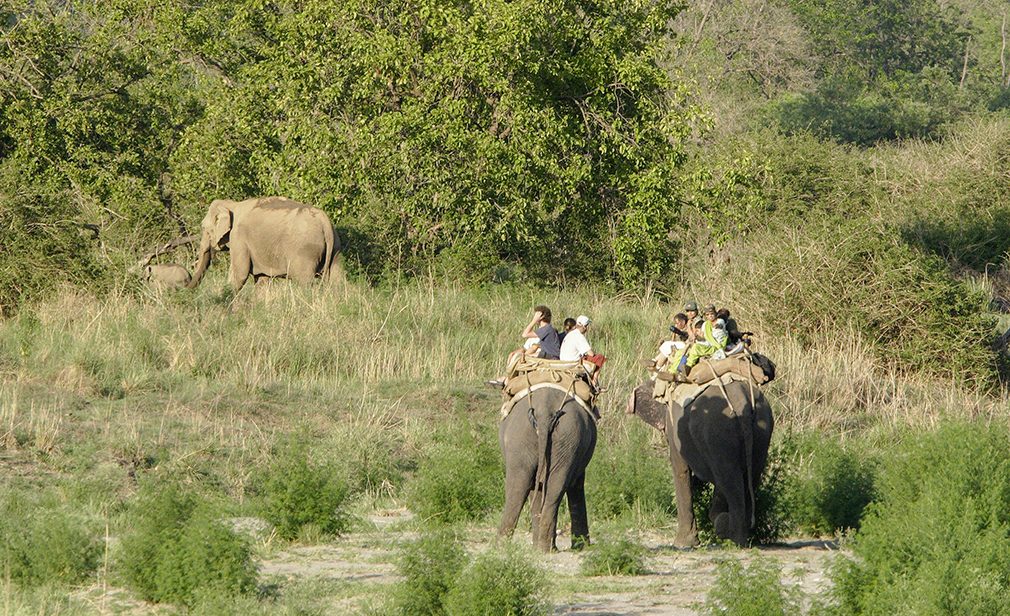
<point>834,172</point>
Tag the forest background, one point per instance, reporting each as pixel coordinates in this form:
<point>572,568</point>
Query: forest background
<point>835,172</point>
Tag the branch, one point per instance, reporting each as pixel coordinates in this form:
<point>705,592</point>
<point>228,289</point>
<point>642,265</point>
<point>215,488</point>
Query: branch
<point>964,69</point>
<point>1002,53</point>
<point>169,247</point>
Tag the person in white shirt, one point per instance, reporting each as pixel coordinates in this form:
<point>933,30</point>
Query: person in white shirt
<point>576,347</point>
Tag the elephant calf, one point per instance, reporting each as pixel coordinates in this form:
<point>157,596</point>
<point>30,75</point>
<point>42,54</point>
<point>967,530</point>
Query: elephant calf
<point>167,276</point>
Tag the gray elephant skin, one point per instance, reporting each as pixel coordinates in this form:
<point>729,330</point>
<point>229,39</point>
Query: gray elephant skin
<point>167,276</point>
<point>725,444</point>
<point>546,453</point>
<point>268,237</point>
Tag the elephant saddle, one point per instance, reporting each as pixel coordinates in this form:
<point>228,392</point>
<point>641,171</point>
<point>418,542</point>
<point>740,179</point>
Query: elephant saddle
<point>532,373</point>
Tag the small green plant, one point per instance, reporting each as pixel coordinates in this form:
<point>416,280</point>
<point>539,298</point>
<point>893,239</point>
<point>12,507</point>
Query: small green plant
<point>621,557</point>
<point>42,544</point>
<point>457,480</point>
<point>178,553</point>
<point>503,582</point>
<point>752,590</point>
<point>831,486</point>
<point>937,539</point>
<point>429,567</point>
<point>627,474</point>
<point>302,499</point>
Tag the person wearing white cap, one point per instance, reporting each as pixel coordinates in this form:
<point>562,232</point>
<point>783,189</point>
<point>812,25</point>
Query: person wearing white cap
<point>575,344</point>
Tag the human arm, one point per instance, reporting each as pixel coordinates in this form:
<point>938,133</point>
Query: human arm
<point>531,327</point>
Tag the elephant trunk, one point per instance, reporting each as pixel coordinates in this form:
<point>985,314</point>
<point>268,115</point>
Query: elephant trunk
<point>201,267</point>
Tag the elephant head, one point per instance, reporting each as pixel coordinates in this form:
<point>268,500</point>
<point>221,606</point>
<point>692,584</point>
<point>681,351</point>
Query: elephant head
<point>215,231</point>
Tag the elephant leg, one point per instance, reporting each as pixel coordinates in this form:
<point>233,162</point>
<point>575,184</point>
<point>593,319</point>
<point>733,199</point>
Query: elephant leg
<point>517,489</point>
<point>733,523</point>
<point>545,537</point>
<point>719,506</point>
<point>241,267</point>
<point>577,507</point>
<point>687,530</point>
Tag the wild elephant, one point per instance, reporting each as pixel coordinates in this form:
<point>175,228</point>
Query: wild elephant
<point>268,237</point>
<point>166,276</point>
<point>722,438</point>
<point>547,441</point>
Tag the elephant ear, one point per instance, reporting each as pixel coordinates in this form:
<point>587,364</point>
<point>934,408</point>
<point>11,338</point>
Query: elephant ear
<point>221,225</point>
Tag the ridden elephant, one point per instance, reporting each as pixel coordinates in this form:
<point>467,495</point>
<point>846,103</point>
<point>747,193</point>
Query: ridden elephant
<point>167,276</point>
<point>721,438</point>
<point>268,237</point>
<point>547,441</point>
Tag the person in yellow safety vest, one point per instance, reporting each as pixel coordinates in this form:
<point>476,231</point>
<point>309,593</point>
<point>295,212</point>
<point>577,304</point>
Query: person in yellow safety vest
<point>711,338</point>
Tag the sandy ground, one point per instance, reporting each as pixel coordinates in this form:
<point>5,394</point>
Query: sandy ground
<point>677,583</point>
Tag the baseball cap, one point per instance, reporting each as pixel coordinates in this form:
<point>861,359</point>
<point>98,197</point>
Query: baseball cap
<point>691,306</point>
<point>582,320</point>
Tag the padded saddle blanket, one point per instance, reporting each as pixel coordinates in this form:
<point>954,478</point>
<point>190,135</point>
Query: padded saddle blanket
<point>531,373</point>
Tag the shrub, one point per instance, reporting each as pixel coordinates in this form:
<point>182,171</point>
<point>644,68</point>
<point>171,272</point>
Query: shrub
<point>621,557</point>
<point>500,582</point>
<point>297,496</point>
<point>937,541</point>
<point>428,566</point>
<point>458,480</point>
<point>830,486</point>
<point>752,590</point>
<point>628,473</point>
<point>178,553</point>
<point>42,544</point>
<point>773,516</point>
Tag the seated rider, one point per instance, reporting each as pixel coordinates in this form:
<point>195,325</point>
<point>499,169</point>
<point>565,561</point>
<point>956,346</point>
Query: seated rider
<point>540,340</point>
<point>569,325</point>
<point>710,339</point>
<point>668,347</point>
<point>576,347</point>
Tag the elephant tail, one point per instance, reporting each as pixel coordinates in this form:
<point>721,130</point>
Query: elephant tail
<point>746,420</point>
<point>544,430</point>
<point>329,237</point>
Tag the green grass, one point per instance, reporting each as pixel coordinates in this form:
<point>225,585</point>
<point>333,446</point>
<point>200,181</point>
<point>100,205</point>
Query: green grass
<point>383,386</point>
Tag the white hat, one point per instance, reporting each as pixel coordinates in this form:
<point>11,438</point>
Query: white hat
<point>582,320</point>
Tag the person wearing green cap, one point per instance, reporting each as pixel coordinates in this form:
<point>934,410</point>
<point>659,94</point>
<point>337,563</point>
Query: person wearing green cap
<point>691,310</point>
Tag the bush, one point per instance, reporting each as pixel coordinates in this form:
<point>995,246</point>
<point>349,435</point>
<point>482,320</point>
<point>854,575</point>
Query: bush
<point>178,553</point>
<point>629,473</point>
<point>459,480</point>
<point>42,544</point>
<point>500,582</point>
<point>937,541</point>
<point>428,566</point>
<point>830,486</point>
<point>297,497</point>
<point>621,557</point>
<point>752,590</point>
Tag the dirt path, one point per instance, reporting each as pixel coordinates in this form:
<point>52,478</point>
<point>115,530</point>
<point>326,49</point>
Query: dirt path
<point>676,585</point>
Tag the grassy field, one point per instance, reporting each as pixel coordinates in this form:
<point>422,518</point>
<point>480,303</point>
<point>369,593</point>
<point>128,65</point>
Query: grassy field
<point>381,387</point>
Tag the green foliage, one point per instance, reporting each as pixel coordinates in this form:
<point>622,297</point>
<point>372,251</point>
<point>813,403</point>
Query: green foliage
<point>503,582</point>
<point>831,485</point>
<point>429,567</point>
<point>177,552</point>
<point>752,590</point>
<point>937,541</point>
<point>773,515</point>
<point>848,109</point>
<point>458,479</point>
<point>886,37</point>
<point>42,543</point>
<point>628,473</point>
<point>301,497</point>
<point>623,556</point>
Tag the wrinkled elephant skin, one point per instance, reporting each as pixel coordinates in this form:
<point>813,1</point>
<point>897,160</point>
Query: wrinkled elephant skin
<point>546,453</point>
<point>721,442</point>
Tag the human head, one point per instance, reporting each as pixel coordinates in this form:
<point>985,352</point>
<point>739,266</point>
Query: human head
<point>569,324</point>
<point>699,325</point>
<point>709,312</point>
<point>582,322</point>
<point>722,313</point>
<point>691,310</point>
<point>545,313</point>
<point>680,320</point>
